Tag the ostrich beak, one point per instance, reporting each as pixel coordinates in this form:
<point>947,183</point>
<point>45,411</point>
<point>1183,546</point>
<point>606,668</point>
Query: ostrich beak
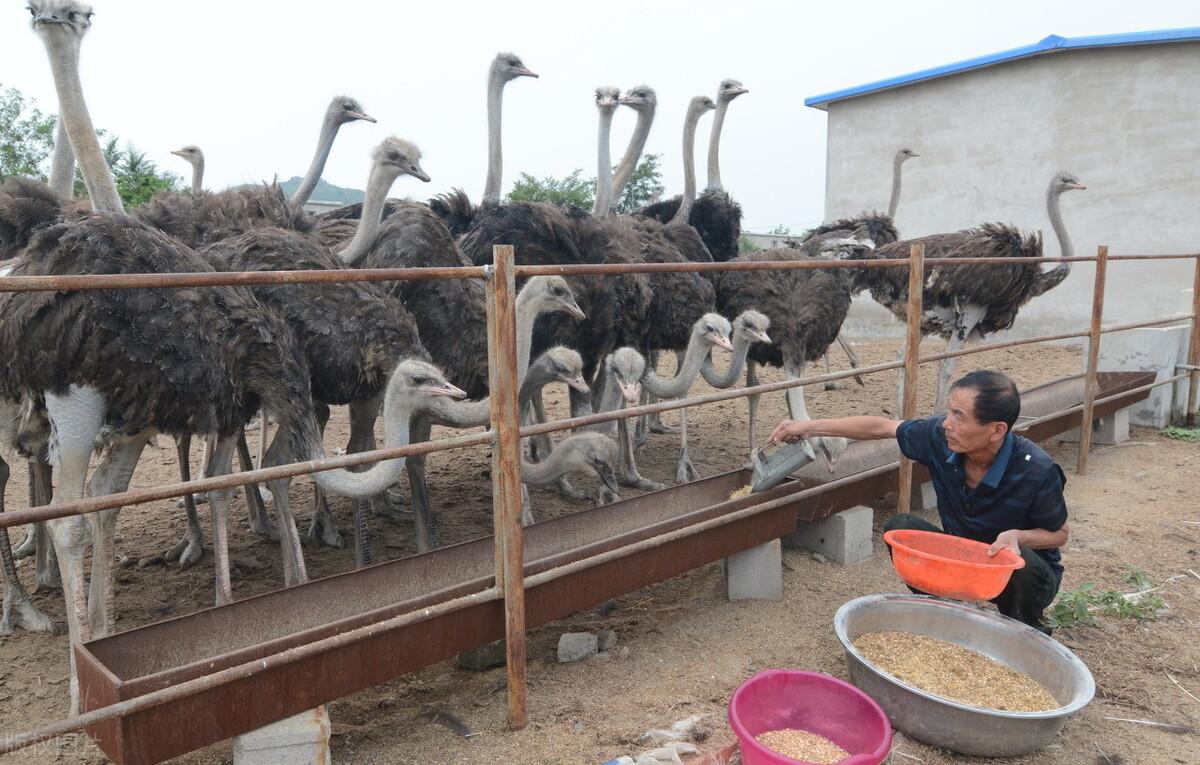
<point>607,476</point>
<point>361,116</point>
<point>632,392</point>
<point>445,389</point>
<point>1076,185</point>
<point>719,340</point>
<point>178,153</point>
<point>574,310</point>
<point>418,173</point>
<point>761,337</point>
<point>741,91</point>
<point>523,72</point>
<point>578,383</point>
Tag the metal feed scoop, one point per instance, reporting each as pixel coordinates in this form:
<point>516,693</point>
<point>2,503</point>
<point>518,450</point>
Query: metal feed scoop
<point>770,469</point>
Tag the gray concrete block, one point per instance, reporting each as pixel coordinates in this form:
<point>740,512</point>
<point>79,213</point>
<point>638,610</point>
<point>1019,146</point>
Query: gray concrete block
<point>843,538</point>
<point>1113,429</point>
<point>756,574</point>
<point>576,646</point>
<point>484,657</point>
<point>1151,349</point>
<point>924,498</point>
<point>606,640</point>
<point>302,739</point>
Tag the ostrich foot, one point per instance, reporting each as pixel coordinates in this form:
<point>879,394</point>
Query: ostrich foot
<point>686,472</point>
<point>388,505</point>
<point>188,550</point>
<point>642,484</point>
<point>607,497</point>
<point>199,499</point>
<point>569,492</point>
<point>323,531</point>
<point>656,425</point>
<point>264,527</point>
<point>20,613</point>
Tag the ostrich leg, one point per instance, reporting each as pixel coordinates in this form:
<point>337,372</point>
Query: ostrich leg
<point>263,492</point>
<point>111,476</point>
<point>851,355</point>
<point>323,530</point>
<point>424,527</point>
<point>654,421</point>
<point>627,474</point>
<point>832,384</point>
<point>260,522</point>
<point>362,439</point>
<point>18,610</point>
<point>41,491</point>
<point>685,471</point>
<point>190,548</point>
<point>964,329</point>
<point>752,402</point>
<point>76,417</point>
<point>278,453</point>
<point>220,462</point>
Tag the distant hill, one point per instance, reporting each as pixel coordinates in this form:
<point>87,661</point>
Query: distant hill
<point>325,192</point>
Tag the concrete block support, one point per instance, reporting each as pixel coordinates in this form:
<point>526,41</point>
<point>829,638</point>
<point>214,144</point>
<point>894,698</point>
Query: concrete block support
<point>844,538</point>
<point>299,740</point>
<point>1113,429</point>
<point>756,574</point>
<point>1156,349</point>
<point>924,498</point>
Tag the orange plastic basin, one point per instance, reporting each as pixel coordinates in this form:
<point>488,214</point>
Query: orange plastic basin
<point>950,566</point>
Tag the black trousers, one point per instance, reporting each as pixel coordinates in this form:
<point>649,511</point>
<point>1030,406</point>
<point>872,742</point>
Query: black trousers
<point>1030,590</point>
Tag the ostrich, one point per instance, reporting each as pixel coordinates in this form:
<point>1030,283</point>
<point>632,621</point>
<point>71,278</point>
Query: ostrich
<point>607,100</point>
<point>749,327</point>
<point>581,453</point>
<point>114,367</point>
<point>715,215</point>
<point>964,303</point>
<point>198,219</point>
<point>194,157</point>
<point>872,229</point>
<point>643,100</point>
<point>806,309</point>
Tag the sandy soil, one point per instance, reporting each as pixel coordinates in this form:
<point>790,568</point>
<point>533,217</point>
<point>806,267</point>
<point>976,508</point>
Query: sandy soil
<point>682,647</point>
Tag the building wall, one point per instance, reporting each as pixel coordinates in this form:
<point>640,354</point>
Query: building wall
<point>1126,121</point>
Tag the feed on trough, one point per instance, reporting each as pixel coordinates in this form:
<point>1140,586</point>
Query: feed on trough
<point>739,493</point>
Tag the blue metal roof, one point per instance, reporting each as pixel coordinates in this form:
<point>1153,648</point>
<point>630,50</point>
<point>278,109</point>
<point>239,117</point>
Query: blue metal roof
<point>1051,44</point>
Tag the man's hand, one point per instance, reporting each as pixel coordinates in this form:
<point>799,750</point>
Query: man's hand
<point>789,431</point>
<point>1008,540</point>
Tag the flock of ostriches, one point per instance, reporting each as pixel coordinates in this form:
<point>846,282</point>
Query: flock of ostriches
<point>106,370</point>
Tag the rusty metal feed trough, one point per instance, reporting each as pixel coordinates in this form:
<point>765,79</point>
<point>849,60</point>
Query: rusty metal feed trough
<point>129,664</point>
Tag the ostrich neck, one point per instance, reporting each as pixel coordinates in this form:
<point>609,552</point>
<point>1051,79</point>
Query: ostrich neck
<point>741,348</point>
<point>198,176</point>
<point>548,470</point>
<point>397,413</point>
<point>1064,240</point>
<point>689,167</point>
<point>62,166</point>
<point>611,400</point>
<point>633,152</point>
<point>678,385</point>
<point>329,131</point>
<point>72,108</point>
<point>894,202</point>
<point>378,184</point>
<point>714,146</point>
<point>604,171</point>
<point>495,98</point>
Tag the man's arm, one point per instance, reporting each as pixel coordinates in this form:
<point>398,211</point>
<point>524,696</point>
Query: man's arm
<point>863,428</point>
<point>1034,539</point>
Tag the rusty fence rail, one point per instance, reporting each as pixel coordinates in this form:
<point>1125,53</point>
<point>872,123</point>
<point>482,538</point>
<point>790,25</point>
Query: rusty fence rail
<point>504,437</point>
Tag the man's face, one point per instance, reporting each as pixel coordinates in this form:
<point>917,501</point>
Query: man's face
<point>964,433</point>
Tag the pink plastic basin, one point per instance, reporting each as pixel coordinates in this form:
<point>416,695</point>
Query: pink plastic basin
<point>811,701</point>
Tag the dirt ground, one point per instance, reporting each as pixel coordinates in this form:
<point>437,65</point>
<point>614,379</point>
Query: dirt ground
<point>682,647</point>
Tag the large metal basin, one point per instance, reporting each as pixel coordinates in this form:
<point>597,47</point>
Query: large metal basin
<point>949,724</point>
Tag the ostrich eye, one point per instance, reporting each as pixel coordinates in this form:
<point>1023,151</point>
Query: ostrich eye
<point>393,156</point>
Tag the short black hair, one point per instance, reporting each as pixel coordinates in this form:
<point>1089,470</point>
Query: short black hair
<point>996,396</point>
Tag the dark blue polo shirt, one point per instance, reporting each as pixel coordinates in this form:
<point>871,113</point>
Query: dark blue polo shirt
<point>1023,489</point>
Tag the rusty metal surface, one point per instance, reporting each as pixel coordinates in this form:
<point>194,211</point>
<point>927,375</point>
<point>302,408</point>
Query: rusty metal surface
<point>616,549</point>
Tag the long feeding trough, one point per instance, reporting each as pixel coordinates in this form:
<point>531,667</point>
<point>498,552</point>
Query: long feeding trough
<point>627,545</point>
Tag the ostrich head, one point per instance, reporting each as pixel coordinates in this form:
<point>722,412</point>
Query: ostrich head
<point>399,157</point>
<point>420,385</point>
<point>641,98</point>
<point>566,365</point>
<point>905,154</point>
<point>730,89</point>
<point>343,109</point>
<point>60,16</point>
<point>191,154</point>
<point>591,452</point>
<point>508,66</point>
<point>626,366</point>
<point>702,104</point>
<point>551,293</point>
<point>753,326</point>
<point>607,98</point>
<point>713,328</point>
<point>1065,182</point>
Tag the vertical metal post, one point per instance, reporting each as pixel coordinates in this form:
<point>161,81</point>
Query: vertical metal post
<point>912,352</point>
<point>1093,359</point>
<point>506,473</point>
<point>1193,399</point>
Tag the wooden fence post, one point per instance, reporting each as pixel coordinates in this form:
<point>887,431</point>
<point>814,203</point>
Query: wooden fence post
<point>1093,359</point>
<point>506,473</point>
<point>912,352</point>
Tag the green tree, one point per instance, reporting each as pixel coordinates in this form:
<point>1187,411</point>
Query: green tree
<point>572,190</point>
<point>745,244</point>
<point>645,184</point>
<point>26,135</point>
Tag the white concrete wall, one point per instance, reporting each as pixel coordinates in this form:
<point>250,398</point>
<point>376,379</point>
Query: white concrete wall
<point>1126,121</point>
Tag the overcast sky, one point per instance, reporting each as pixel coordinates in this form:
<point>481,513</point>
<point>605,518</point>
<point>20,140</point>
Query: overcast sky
<point>249,81</point>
